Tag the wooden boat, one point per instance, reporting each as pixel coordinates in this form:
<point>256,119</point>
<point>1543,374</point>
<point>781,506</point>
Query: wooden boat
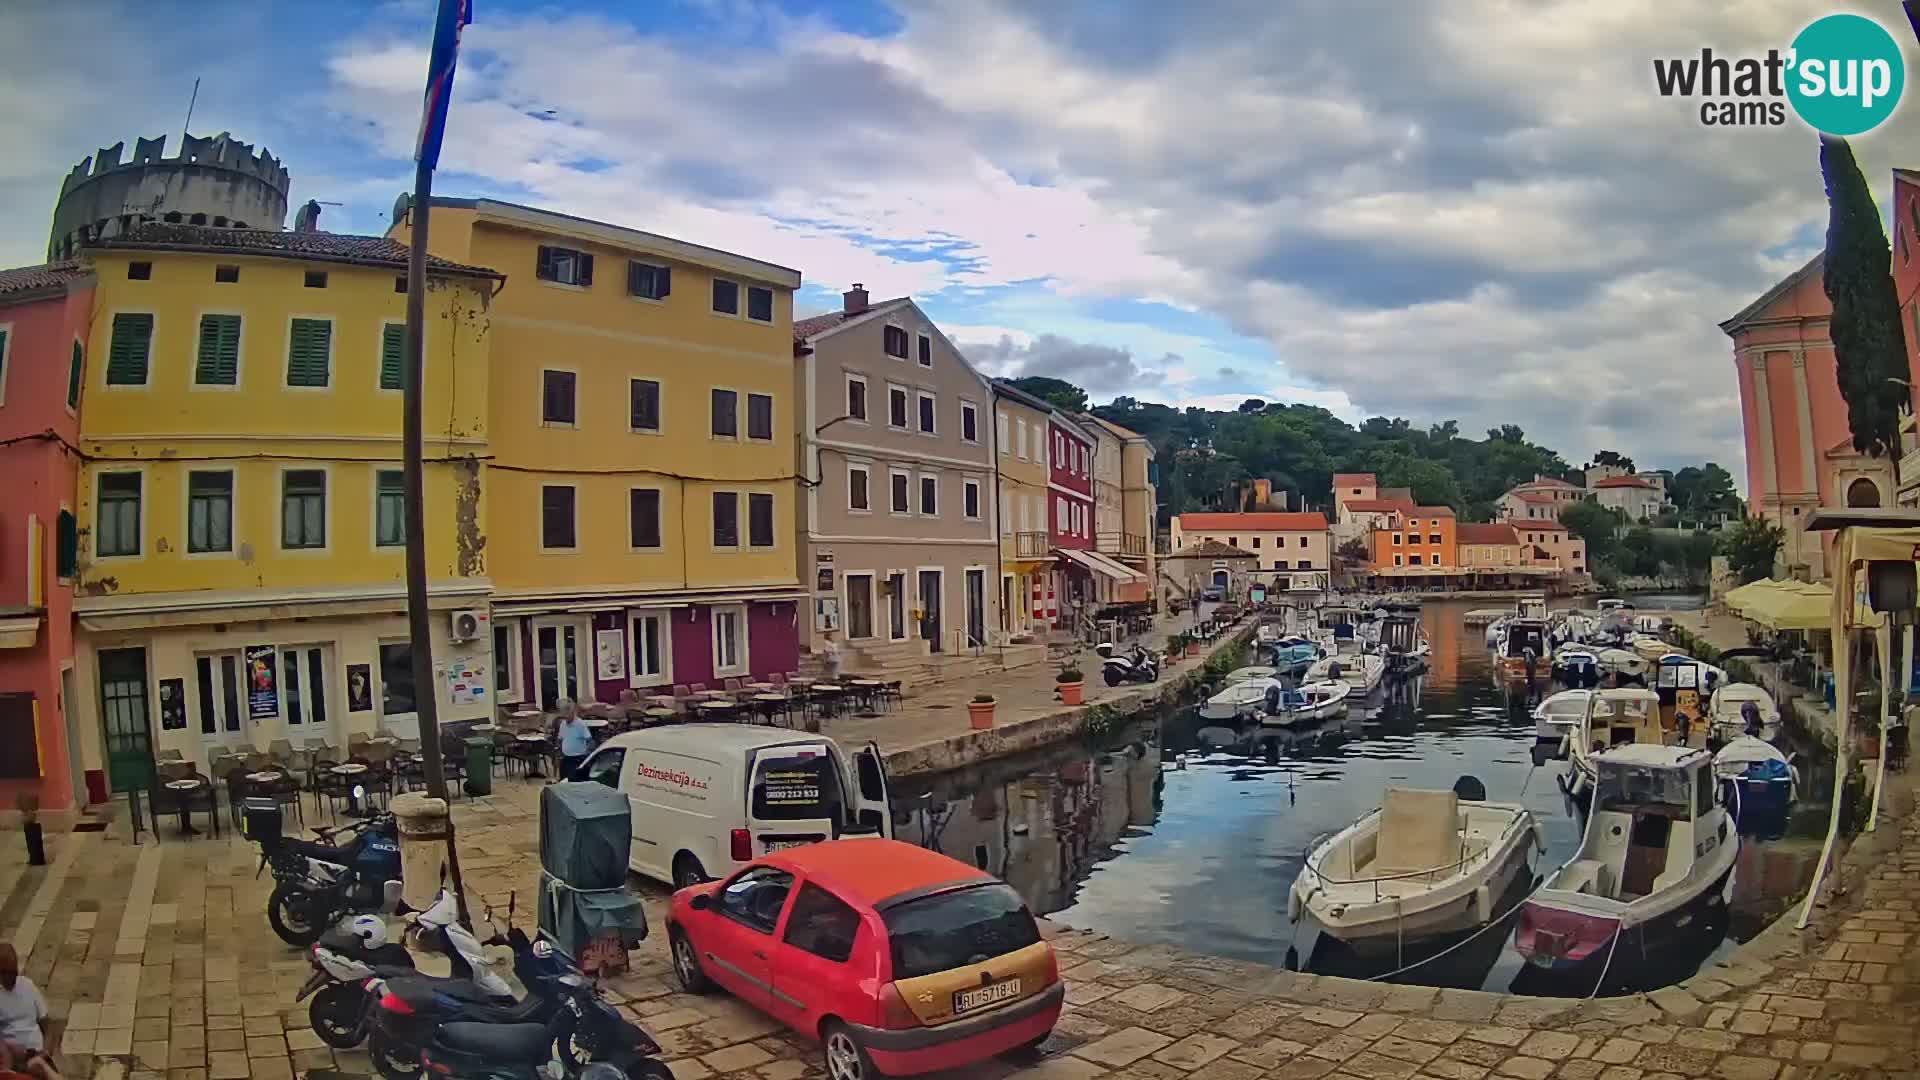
<point>1423,863</point>
<point>1658,844</point>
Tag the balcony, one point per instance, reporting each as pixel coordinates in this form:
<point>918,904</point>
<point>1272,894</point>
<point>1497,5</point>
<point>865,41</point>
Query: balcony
<point>1031,545</point>
<point>1123,544</point>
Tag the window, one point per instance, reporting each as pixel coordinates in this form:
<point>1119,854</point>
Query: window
<point>894,340</point>
<point>896,407</point>
<point>857,397</point>
<point>649,281</point>
<point>227,275</point>
<point>643,517</point>
<point>647,641</point>
<point>303,509</point>
<point>309,352</point>
<point>927,417</point>
<point>729,641</point>
<point>1232,541</point>
<point>970,499</point>
<point>389,508</point>
<point>759,304</point>
<point>1304,564</point>
<point>506,660</point>
<point>1396,539</point>
<point>1413,560</point>
<point>930,496</point>
<point>396,680</point>
<point>67,540</point>
<point>760,520</point>
<point>726,297</point>
<point>1414,524</point>
<point>726,519</point>
<point>117,518</point>
<point>1256,544</point>
<point>754,899</point>
<point>1006,515</point>
<point>759,416</point>
<point>969,422</point>
<point>209,512</point>
<point>944,931</point>
<point>1061,517</point>
<point>1021,443</point>
<point>726,418</point>
<point>400,284</point>
<point>557,397</point>
<point>556,517</point>
<point>605,768</point>
<point>393,341</point>
<point>1397,560</point>
<point>1000,431</point>
<point>1303,541</point>
<point>926,350</point>
<point>900,486</point>
<point>74,366</point>
<point>858,497</point>
<point>821,924</point>
<point>643,405</point>
<point>316,279</point>
<point>564,266</point>
<point>129,349</point>
<point>1433,538</point>
<point>139,271</point>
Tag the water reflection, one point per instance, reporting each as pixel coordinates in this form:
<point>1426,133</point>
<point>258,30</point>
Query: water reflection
<point>1190,834</point>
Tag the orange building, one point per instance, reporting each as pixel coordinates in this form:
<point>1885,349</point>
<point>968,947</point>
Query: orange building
<point>1427,537</point>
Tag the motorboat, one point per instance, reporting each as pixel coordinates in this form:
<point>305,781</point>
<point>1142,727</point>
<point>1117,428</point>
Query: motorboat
<point>1240,696</point>
<point>1708,677</point>
<point>1611,605</point>
<point>1561,716</point>
<point>1424,863</point>
<point>1362,671</point>
<point>1577,667</point>
<point>1290,655</point>
<point>1283,707</point>
<point>1650,625</point>
<point>1760,782</point>
<point>1726,719</point>
<point>1532,607</point>
<point>1650,648</point>
<point>1251,671</point>
<point>1623,663</point>
<point>1614,717</point>
<point>1659,844</point>
<point>1523,637</point>
<point>1404,641</point>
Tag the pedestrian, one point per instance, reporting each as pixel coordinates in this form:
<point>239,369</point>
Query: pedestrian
<point>576,738</point>
<point>23,1021</point>
<point>830,655</point>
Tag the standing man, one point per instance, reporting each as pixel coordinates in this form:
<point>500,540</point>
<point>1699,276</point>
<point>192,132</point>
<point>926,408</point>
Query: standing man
<point>830,655</point>
<point>23,1021</point>
<point>576,738</point>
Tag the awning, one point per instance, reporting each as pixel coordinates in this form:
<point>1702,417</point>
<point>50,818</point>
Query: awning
<point>1115,566</point>
<point>1783,605</point>
<point>1086,560</point>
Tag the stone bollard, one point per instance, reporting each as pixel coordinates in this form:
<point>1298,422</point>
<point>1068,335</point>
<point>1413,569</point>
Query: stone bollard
<point>423,846</point>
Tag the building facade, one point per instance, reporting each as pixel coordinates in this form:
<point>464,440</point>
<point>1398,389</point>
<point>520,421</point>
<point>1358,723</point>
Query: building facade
<point>44,314</point>
<point>643,426</point>
<point>899,512</point>
<point>1539,499</point>
<point>1493,546</point>
<point>1082,582</point>
<point>1126,504</point>
<point>1426,538</point>
<point>1028,600</point>
<point>240,572</point>
<point>1630,495</point>
<point>1293,550</point>
<point>1906,285</point>
<point>1549,543</point>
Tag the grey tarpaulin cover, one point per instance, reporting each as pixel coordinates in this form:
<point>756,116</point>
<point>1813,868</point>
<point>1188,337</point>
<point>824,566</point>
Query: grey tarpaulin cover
<point>585,833</point>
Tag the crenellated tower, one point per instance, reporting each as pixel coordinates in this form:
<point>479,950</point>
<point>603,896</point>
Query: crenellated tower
<point>215,181</point>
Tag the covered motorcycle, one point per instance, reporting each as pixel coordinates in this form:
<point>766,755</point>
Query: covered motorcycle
<point>586,910</point>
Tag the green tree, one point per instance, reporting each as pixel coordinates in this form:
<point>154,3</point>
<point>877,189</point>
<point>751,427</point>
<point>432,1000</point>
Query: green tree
<point>1704,490</point>
<point>1059,393</point>
<point>1750,547</point>
<point>1354,551</point>
<point>1611,457</point>
<point>1868,348</point>
<point>1595,524</point>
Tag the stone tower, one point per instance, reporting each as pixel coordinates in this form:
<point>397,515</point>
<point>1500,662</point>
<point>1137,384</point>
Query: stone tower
<point>212,181</point>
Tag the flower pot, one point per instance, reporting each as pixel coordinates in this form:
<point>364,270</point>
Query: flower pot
<point>1866,746</point>
<point>1070,692</point>
<point>1193,649</point>
<point>980,715</point>
<point>36,845</point>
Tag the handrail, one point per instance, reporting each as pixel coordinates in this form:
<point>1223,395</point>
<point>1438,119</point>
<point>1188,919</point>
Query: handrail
<point>1328,879</point>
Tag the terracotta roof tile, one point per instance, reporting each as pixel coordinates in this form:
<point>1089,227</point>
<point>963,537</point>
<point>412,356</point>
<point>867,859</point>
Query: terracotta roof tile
<point>44,276</point>
<point>1311,521</point>
<point>819,324</point>
<point>1488,533</point>
<point>273,243</point>
<point>1623,482</point>
<point>1379,506</point>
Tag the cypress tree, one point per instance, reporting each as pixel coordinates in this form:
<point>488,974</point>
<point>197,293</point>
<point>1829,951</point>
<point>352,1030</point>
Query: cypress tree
<point>1868,349</point>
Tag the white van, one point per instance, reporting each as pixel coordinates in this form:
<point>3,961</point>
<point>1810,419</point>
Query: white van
<point>708,798</point>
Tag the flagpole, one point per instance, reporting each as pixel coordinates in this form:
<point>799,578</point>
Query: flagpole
<point>426,688</point>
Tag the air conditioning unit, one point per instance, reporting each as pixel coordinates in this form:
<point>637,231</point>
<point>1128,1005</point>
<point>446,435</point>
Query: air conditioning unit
<point>467,625</point>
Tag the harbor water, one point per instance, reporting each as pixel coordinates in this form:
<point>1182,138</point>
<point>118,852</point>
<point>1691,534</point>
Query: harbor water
<point>1190,835</point>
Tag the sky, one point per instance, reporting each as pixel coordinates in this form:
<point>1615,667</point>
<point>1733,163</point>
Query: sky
<point>1478,210</point>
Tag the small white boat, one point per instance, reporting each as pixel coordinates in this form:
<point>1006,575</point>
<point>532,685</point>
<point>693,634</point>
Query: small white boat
<point>1726,721</point>
<point>1628,714</point>
<point>1658,841</point>
<point>1362,671</point>
<point>1624,663</point>
<point>1561,715</point>
<point>1312,701</point>
<point>1239,698</point>
<point>1424,863</point>
<point>1252,671</point>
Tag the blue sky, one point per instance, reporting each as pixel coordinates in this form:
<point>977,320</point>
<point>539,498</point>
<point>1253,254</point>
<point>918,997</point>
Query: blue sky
<point>1476,210</point>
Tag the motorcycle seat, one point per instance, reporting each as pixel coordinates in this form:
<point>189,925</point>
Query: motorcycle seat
<point>326,853</point>
<point>394,971</point>
<point>512,1042</point>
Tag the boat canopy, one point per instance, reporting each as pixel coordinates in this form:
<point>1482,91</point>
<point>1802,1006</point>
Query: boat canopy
<point>1669,780</point>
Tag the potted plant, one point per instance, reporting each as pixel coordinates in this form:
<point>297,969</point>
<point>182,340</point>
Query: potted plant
<point>1069,684</point>
<point>29,805</point>
<point>980,711</point>
<point>1191,644</point>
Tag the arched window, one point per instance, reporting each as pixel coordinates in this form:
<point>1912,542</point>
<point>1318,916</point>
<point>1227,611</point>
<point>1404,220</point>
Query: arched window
<point>1863,494</point>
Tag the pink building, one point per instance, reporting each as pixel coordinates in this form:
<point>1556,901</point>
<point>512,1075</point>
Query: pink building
<point>1906,285</point>
<point>1070,525</point>
<point>43,326</point>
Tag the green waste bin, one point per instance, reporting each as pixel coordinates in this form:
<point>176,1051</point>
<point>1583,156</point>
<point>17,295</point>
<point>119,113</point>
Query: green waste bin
<point>479,765</point>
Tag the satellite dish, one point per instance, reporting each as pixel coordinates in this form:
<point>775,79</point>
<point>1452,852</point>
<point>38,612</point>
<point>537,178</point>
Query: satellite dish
<point>402,204</point>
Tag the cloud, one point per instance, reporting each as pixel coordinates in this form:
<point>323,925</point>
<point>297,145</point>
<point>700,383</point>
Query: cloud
<point>1102,370</point>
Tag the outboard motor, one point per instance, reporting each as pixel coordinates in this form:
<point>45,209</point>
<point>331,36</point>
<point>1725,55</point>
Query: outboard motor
<point>1470,789</point>
<point>1273,699</point>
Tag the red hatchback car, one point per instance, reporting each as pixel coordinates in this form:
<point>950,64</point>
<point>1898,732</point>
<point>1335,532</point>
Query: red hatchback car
<point>898,959</point>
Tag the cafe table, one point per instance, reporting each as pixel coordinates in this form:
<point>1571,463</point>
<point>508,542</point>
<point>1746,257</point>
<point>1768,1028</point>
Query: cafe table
<point>182,787</point>
<point>350,770</point>
<point>533,763</point>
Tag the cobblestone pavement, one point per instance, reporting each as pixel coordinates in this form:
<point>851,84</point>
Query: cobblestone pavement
<point>159,962</point>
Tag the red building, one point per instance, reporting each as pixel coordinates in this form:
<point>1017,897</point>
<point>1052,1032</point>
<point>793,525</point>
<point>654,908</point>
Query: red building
<point>1082,581</point>
<point>43,325</point>
<point>1906,285</point>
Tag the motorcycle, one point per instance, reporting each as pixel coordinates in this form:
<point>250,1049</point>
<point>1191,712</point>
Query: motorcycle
<point>518,1052</point>
<point>1137,665</point>
<point>316,883</point>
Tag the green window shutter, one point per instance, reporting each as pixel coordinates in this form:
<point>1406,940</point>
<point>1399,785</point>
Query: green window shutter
<point>219,363</point>
<point>132,342</point>
<point>68,550</point>
<point>309,352</point>
<point>73,376</point>
<point>392,339</point>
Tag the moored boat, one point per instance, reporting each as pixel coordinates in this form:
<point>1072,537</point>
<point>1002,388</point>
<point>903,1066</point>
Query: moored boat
<point>1760,783</point>
<point>1727,720</point>
<point>1577,667</point>
<point>1560,716</point>
<point>1614,717</point>
<point>1312,701</point>
<point>1240,696</point>
<point>1362,671</point>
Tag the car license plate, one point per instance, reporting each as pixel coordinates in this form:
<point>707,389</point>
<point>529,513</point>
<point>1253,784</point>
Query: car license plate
<point>993,994</point>
<point>782,845</point>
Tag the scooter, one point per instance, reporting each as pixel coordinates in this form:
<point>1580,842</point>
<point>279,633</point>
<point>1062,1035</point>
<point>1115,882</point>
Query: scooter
<point>351,870</point>
<point>517,1052</point>
<point>1138,665</point>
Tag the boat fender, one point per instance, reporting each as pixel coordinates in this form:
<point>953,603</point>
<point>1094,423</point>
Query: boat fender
<point>1483,905</point>
<point>1293,906</point>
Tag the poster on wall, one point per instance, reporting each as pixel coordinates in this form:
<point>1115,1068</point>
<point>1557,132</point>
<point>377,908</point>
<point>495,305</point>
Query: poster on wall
<point>359,688</point>
<point>823,572</point>
<point>466,681</point>
<point>263,693</point>
<point>826,613</point>
<point>609,654</point>
<point>173,704</point>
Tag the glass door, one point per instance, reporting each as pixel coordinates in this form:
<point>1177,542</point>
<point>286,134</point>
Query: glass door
<point>221,693</point>
<point>303,689</point>
<point>930,609</point>
<point>976,607</point>
<point>124,718</point>
<point>557,650</point>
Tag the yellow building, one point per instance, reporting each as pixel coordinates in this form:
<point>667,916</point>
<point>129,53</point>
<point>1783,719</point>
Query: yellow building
<point>641,491</point>
<point>1026,552</point>
<point>1128,535</point>
<point>241,565</point>
<point>1490,546</point>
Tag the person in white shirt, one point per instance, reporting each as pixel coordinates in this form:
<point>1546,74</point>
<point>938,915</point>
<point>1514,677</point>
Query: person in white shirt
<point>23,1021</point>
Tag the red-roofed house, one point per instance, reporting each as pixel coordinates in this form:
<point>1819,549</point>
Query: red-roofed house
<point>1489,546</point>
<point>1539,498</point>
<point>1563,549</point>
<point>1290,543</point>
<point>1630,495</point>
<point>1426,536</point>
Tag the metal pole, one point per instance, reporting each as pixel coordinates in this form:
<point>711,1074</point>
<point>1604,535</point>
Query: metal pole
<point>426,689</point>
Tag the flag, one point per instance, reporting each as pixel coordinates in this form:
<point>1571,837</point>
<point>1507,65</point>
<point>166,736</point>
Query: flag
<point>447,23</point>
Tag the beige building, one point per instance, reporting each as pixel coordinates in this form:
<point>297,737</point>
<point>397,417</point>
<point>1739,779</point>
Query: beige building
<point>900,548</point>
<point>1127,501</point>
<point>1491,546</point>
<point>1549,543</point>
<point>1539,499</point>
<point>1293,549</point>
<point>1630,495</point>
<point>1207,564</point>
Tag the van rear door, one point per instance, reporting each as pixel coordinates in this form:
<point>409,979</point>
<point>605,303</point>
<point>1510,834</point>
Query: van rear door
<point>873,807</point>
<point>793,796</point>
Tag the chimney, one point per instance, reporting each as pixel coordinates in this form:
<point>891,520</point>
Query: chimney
<point>855,299</point>
<point>307,218</point>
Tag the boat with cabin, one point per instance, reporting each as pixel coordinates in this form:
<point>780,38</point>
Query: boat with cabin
<point>1576,666</point>
<point>1362,671</point>
<point>1559,718</point>
<point>1241,693</point>
<point>1521,637</point>
<point>1623,664</point>
<point>1306,703</point>
<point>1403,641</point>
<point>1615,717</point>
